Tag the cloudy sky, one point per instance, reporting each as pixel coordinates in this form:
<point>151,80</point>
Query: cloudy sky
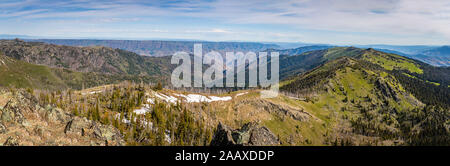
<point>402,22</point>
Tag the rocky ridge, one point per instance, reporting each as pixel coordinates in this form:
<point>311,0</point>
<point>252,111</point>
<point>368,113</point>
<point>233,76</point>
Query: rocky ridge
<point>250,134</point>
<point>24,122</point>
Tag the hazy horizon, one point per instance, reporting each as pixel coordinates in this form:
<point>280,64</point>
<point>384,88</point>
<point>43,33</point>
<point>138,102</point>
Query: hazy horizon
<point>25,37</point>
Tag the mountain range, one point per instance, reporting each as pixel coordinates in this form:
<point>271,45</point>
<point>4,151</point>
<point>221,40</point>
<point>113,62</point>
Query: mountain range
<point>163,48</point>
<point>434,55</point>
<point>52,66</point>
<point>328,96</point>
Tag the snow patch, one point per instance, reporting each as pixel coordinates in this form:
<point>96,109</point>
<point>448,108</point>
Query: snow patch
<point>193,98</point>
<point>92,92</point>
<point>167,136</point>
<point>215,98</point>
<point>124,120</point>
<point>144,122</point>
<point>169,99</point>
<point>142,110</point>
<point>196,98</point>
<point>151,101</point>
<point>240,94</point>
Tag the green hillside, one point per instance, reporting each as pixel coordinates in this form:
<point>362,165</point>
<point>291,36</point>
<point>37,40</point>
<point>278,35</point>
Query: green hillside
<point>20,74</point>
<point>366,103</point>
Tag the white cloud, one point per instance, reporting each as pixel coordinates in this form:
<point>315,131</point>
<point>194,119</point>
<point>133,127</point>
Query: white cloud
<point>389,17</point>
<point>216,30</point>
<point>416,20</point>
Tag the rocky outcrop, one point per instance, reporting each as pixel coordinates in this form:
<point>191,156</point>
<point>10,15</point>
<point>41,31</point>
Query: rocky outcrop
<point>385,89</point>
<point>108,133</point>
<point>12,114</point>
<point>12,111</point>
<point>223,136</point>
<point>24,122</point>
<point>250,134</point>
<point>53,114</point>
<point>3,128</point>
<point>262,136</point>
<point>81,126</point>
<point>10,141</point>
<point>78,126</point>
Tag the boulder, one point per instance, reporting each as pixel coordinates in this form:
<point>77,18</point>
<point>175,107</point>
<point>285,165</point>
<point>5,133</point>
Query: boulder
<point>3,128</point>
<point>109,134</point>
<point>83,127</point>
<point>24,121</point>
<point>10,141</point>
<point>262,136</point>
<point>223,136</point>
<point>250,134</point>
<point>14,109</point>
<point>78,125</point>
<point>56,115</point>
<point>12,112</point>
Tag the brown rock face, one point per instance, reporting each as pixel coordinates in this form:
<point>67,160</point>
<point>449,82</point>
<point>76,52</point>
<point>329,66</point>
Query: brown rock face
<point>81,126</point>
<point>223,136</point>
<point>262,136</point>
<point>24,122</point>
<point>10,141</point>
<point>250,134</point>
<point>3,128</point>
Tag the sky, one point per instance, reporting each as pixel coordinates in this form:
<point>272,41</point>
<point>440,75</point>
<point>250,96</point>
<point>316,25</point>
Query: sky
<point>343,22</point>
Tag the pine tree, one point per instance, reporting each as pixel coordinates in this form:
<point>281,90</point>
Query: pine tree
<point>75,111</point>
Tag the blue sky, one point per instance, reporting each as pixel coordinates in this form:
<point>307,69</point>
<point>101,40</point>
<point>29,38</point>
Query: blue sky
<point>400,22</point>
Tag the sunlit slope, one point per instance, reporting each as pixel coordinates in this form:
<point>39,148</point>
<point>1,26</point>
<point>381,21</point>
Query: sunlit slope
<point>365,100</point>
<point>21,74</point>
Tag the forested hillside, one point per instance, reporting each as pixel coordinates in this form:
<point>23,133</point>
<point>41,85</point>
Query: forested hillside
<point>85,59</point>
<point>377,99</point>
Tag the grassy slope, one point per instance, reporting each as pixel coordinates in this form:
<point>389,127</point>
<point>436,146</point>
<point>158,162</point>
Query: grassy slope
<point>22,75</point>
<point>339,97</point>
<point>392,61</point>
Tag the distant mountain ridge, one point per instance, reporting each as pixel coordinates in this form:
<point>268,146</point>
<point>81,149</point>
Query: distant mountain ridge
<point>296,64</point>
<point>162,48</point>
<point>439,51</point>
<point>434,55</point>
<point>411,50</point>
<point>85,59</point>
<point>299,50</point>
